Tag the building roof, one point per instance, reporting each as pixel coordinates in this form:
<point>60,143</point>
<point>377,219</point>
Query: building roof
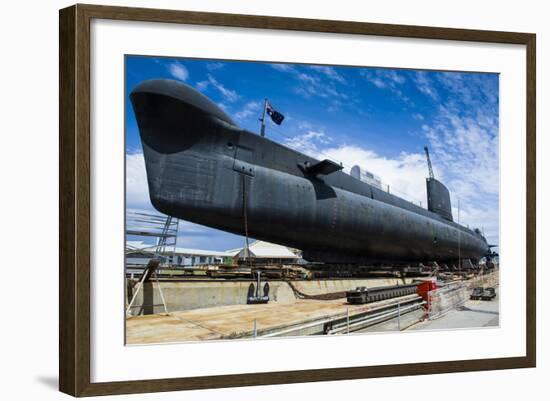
<point>140,245</point>
<point>263,249</point>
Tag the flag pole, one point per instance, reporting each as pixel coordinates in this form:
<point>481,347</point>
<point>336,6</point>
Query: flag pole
<point>262,127</point>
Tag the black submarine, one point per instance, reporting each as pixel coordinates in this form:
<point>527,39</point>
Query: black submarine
<point>202,167</point>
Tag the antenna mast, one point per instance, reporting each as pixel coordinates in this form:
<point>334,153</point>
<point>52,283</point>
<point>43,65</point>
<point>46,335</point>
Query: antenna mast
<point>262,127</point>
<point>430,170</point>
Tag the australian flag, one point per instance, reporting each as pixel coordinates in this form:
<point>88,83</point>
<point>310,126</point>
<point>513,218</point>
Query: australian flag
<point>274,114</point>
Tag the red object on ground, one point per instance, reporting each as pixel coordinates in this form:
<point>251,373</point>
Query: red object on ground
<point>423,289</point>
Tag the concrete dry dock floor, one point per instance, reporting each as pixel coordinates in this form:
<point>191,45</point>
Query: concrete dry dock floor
<point>473,314</point>
<point>233,320</point>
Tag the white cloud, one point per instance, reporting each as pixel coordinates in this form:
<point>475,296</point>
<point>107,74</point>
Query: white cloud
<point>309,143</point>
<point>202,85</point>
<point>386,79</point>
<point>283,67</point>
<point>335,105</point>
<point>223,106</point>
<point>307,78</point>
<point>304,125</point>
<point>329,72</point>
<point>249,109</point>
<point>464,139</point>
<point>214,66</point>
<point>178,71</point>
<point>469,153</point>
<point>137,192</point>
<point>483,216</point>
<point>405,174</point>
<point>425,85</point>
<point>464,157</point>
<point>469,150</point>
<point>378,82</point>
<point>312,85</point>
<point>228,94</point>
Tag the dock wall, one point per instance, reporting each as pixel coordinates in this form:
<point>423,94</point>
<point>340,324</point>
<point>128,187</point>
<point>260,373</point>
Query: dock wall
<point>182,296</point>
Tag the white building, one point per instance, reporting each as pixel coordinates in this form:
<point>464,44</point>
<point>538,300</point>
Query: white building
<point>197,257</point>
<point>139,253</point>
<point>266,252</point>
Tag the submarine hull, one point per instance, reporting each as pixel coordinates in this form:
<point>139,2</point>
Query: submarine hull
<point>203,168</point>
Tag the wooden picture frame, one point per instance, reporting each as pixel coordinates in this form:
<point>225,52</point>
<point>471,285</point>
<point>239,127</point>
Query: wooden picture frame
<point>75,208</point>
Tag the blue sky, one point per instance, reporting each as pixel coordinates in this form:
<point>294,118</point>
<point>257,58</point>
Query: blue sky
<point>378,118</point>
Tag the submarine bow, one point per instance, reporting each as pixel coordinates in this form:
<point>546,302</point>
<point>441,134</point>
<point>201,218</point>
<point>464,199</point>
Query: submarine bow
<point>202,167</point>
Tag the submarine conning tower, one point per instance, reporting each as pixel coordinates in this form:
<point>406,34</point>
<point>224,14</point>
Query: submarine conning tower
<point>439,200</point>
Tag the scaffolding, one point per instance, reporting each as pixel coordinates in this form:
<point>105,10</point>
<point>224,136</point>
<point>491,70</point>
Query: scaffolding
<point>165,230</point>
<point>147,225</point>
